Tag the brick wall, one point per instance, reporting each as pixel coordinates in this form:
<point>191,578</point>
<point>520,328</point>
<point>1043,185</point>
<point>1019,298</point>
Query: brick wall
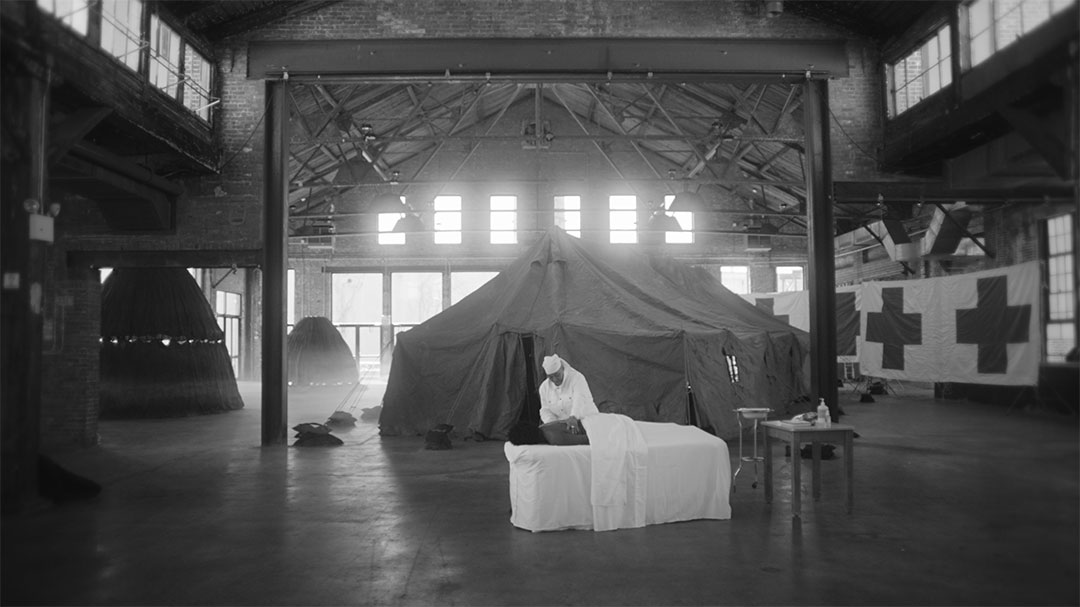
<point>71,347</point>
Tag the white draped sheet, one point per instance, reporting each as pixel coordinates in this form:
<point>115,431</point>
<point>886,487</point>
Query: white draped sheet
<point>687,476</point>
<point>619,470</point>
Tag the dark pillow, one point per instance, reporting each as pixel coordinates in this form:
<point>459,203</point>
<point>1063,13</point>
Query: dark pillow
<point>556,433</point>
<point>525,433</point>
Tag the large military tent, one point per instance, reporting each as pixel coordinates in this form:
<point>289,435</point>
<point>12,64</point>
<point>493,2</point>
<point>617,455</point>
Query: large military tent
<point>643,328</point>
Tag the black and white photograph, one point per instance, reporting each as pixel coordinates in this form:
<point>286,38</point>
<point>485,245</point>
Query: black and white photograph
<point>539,302</point>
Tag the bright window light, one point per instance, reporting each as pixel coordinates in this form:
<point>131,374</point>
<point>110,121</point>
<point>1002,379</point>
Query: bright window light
<point>464,283</point>
<point>164,57</point>
<point>686,222</point>
<point>503,219</point>
<point>925,71</point>
<point>789,279</point>
<point>121,27</point>
<point>568,214</point>
<point>622,216</point>
<point>1061,287</point>
<point>196,84</point>
<point>447,219</point>
<point>995,24</point>
<point>735,278</point>
<point>387,235</point>
<point>72,13</point>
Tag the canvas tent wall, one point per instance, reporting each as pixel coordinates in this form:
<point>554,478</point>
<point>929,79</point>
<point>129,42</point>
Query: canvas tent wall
<point>162,351</point>
<point>642,328</point>
<point>318,355</point>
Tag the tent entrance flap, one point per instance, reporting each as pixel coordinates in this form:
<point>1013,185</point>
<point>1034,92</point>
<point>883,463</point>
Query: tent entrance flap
<point>691,408</point>
<point>530,411</point>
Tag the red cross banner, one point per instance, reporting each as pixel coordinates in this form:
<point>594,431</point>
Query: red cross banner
<point>791,307</point>
<point>980,328</point>
<point>794,309</point>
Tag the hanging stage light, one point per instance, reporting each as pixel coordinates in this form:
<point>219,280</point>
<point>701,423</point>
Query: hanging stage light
<point>409,223</point>
<point>687,201</point>
<point>662,222</point>
<point>389,203</point>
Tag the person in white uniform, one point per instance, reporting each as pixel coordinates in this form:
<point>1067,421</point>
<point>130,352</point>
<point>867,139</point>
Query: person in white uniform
<point>565,399</point>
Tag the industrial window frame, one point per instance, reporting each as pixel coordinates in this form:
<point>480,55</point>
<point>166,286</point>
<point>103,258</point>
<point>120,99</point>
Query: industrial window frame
<point>686,222</point>
<point>74,14</point>
<point>228,312</point>
<point>726,273</point>
<point>784,284</point>
<point>995,24</point>
<point>568,213</point>
<point>447,219</point>
<point>504,219</point>
<point>121,31</point>
<point>622,219</point>
<point>1059,302</point>
<point>183,73</point>
<point>921,73</point>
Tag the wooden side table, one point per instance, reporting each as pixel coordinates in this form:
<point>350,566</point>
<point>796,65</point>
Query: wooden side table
<point>837,433</point>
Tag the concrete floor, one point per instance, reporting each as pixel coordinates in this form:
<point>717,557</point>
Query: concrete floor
<point>956,503</point>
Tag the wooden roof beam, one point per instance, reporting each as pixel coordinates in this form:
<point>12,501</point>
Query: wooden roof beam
<point>914,192</point>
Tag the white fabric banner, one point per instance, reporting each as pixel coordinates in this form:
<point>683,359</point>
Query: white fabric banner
<point>791,307</point>
<point>794,309</point>
<point>981,328</point>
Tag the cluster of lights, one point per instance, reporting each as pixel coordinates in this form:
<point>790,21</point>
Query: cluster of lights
<point>165,340</point>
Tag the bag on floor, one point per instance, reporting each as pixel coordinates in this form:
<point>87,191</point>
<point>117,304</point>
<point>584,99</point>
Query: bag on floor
<point>310,434</point>
<point>438,438</point>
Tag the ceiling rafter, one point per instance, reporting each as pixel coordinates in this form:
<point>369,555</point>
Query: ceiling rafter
<point>764,205</point>
<point>336,107</point>
<point>656,105</point>
<point>795,194</point>
<point>425,118</point>
<point>303,163</point>
<point>769,161</point>
<point>494,121</point>
<point>595,143</point>
<point>792,92</point>
<point>757,103</point>
<point>725,110</point>
<point>622,130</point>
<point>358,149</point>
<point>479,93</point>
<point>666,124</point>
<point>702,161</point>
<point>742,148</point>
<point>414,112</point>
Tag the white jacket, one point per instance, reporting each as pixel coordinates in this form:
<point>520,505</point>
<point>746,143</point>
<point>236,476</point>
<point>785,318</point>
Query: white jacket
<point>572,398</point>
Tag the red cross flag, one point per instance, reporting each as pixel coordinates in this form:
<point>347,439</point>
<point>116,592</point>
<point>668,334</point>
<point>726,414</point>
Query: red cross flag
<point>791,307</point>
<point>794,309</point>
<point>981,328</point>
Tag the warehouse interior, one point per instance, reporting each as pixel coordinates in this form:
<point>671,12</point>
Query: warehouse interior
<point>371,163</point>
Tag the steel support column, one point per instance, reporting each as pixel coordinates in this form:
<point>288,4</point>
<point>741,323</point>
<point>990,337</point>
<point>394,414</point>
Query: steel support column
<point>24,102</point>
<point>275,265</point>
<point>822,271</point>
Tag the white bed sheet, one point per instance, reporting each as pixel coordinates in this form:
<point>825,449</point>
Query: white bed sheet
<point>689,477</point>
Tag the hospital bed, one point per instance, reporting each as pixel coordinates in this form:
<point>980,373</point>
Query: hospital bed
<point>688,478</point>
